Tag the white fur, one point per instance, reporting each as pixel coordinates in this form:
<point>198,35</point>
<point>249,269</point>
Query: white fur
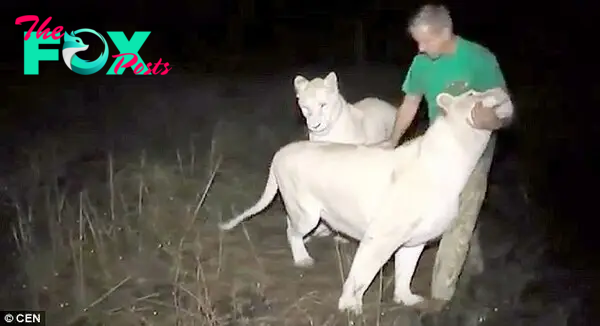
<point>391,200</point>
<point>330,118</point>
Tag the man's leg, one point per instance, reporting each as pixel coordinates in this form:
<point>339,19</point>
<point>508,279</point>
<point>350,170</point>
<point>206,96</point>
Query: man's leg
<point>474,263</point>
<point>454,246</point>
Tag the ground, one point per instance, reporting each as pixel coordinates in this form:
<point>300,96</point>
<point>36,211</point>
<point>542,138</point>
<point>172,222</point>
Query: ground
<point>116,220</point>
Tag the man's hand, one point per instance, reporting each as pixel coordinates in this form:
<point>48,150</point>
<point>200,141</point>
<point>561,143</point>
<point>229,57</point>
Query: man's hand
<point>485,117</point>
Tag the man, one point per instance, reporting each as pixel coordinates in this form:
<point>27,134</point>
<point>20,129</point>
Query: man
<point>449,63</point>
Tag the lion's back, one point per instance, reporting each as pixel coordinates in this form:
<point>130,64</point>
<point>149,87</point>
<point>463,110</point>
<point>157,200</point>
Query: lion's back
<point>377,118</point>
<point>325,162</point>
<point>302,151</point>
<point>329,174</point>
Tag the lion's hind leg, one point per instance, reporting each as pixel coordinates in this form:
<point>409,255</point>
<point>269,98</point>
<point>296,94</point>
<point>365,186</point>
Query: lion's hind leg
<point>300,222</point>
<point>323,230</point>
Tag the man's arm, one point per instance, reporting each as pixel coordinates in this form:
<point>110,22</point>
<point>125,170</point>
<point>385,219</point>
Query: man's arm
<point>488,75</point>
<point>405,115</point>
<point>494,116</point>
<point>413,90</point>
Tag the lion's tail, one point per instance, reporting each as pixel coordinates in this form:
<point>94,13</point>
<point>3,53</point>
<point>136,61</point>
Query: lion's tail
<point>264,201</point>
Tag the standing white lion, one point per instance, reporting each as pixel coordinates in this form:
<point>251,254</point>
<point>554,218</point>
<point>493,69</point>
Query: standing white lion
<point>330,118</point>
<point>393,201</point>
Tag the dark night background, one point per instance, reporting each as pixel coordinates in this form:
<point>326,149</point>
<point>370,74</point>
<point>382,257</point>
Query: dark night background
<point>534,44</point>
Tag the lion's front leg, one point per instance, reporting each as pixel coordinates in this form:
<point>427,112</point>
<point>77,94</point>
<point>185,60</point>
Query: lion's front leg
<point>372,253</point>
<point>405,264</point>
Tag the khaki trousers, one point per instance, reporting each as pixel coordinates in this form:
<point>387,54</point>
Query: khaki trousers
<point>454,245</point>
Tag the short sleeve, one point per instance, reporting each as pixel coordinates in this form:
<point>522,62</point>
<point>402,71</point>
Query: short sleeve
<point>412,82</point>
<point>488,74</point>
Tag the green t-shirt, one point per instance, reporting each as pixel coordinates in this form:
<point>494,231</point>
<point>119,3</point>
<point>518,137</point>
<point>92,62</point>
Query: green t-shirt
<point>471,66</point>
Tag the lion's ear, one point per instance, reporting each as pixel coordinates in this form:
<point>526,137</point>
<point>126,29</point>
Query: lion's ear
<point>444,101</point>
<point>331,81</point>
<point>300,83</point>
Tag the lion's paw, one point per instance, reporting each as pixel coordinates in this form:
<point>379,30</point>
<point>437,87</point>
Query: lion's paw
<point>305,262</point>
<point>352,304</point>
<point>408,299</point>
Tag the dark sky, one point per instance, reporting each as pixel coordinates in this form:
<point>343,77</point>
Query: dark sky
<point>183,24</point>
<point>533,43</point>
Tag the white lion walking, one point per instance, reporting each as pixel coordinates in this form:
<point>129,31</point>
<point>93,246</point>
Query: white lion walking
<point>405,198</point>
<point>330,118</point>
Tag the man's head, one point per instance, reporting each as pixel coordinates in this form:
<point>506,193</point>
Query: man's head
<point>431,28</point>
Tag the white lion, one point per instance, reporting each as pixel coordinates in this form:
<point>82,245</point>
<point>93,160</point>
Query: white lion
<point>391,200</point>
<point>330,118</point>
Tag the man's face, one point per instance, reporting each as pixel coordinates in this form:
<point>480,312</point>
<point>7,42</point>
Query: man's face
<point>429,40</point>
